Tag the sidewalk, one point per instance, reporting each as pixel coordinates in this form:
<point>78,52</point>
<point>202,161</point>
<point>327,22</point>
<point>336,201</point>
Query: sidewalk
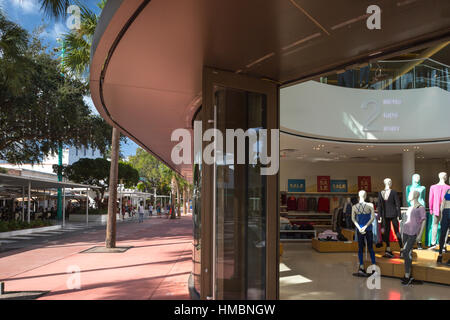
<point>156,267</point>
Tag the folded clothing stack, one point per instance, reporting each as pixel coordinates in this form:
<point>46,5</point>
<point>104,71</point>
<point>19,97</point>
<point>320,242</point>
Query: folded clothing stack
<point>328,235</point>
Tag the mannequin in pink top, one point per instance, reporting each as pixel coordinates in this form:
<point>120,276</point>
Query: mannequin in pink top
<point>437,193</point>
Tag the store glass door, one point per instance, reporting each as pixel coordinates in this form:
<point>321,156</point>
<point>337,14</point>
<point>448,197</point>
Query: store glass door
<point>239,203</point>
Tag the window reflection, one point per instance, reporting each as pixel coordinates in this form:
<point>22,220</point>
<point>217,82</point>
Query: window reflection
<point>240,202</point>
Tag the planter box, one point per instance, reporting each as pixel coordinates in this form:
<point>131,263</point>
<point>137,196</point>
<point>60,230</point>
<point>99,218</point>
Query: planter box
<point>28,231</point>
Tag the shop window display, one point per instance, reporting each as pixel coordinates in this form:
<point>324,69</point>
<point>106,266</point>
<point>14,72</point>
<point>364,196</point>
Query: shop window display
<point>376,147</point>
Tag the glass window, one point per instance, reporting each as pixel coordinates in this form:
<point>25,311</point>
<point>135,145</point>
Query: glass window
<point>240,259</point>
<point>196,217</point>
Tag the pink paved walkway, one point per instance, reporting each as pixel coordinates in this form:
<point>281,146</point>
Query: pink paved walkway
<point>157,267</point>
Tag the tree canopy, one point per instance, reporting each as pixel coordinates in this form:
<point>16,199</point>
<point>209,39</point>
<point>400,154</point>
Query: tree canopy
<point>96,172</point>
<point>156,174</point>
<point>41,107</point>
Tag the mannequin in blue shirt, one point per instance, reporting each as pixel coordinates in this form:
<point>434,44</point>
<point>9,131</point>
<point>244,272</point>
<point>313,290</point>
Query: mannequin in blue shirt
<point>415,186</point>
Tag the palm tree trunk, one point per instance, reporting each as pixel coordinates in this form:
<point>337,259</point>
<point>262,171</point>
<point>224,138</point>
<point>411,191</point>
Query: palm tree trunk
<point>184,201</point>
<point>172,193</point>
<point>112,200</point>
<point>178,202</point>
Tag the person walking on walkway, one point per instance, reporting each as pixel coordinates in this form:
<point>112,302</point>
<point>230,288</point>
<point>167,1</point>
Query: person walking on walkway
<point>141,212</point>
<point>158,210</point>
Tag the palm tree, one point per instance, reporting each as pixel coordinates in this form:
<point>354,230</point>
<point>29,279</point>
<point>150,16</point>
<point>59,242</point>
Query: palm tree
<point>56,8</point>
<point>77,45</point>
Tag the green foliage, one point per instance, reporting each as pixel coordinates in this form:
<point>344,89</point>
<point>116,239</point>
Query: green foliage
<point>58,8</point>
<point>96,172</point>
<point>12,225</point>
<point>157,175</point>
<point>128,174</point>
<point>41,107</point>
<point>3,170</point>
<point>55,8</point>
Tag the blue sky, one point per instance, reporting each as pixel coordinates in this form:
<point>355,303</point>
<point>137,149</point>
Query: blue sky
<point>27,13</point>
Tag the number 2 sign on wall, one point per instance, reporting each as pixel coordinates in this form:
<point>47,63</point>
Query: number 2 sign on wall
<point>374,110</point>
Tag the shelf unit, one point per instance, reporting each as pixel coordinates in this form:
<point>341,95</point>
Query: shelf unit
<point>321,219</point>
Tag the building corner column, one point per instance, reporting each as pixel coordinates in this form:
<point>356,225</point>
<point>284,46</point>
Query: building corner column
<point>408,169</point>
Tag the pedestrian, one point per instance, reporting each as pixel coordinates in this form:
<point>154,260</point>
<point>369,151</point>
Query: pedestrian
<point>158,210</point>
<point>150,209</point>
<point>141,212</point>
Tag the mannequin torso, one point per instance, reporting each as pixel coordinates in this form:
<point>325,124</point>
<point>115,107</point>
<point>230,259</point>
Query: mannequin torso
<point>415,186</point>
<point>437,193</point>
<point>363,215</point>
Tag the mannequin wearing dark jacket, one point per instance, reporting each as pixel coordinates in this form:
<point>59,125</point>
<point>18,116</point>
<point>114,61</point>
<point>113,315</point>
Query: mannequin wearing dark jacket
<point>389,209</point>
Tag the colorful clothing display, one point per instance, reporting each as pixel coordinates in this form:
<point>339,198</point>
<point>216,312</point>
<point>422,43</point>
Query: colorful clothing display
<point>291,204</point>
<point>302,204</point>
<point>437,193</point>
<point>312,204</point>
<point>433,228</point>
<point>323,205</point>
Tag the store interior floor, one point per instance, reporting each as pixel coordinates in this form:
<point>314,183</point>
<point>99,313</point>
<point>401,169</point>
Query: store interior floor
<point>306,274</point>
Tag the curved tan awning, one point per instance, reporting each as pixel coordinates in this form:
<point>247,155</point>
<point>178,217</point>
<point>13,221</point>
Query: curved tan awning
<point>147,56</point>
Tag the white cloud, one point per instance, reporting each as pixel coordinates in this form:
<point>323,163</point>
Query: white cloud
<point>58,30</point>
<point>27,6</point>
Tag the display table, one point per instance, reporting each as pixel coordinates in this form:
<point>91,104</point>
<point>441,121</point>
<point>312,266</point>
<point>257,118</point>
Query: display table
<point>428,255</point>
<point>345,246</point>
<point>348,233</point>
<point>422,268</point>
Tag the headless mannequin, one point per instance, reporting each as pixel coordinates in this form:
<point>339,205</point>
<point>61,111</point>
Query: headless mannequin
<point>444,219</point>
<point>413,217</point>
<point>415,186</point>
<point>437,192</point>
<point>442,179</point>
<point>363,215</point>
<point>386,218</point>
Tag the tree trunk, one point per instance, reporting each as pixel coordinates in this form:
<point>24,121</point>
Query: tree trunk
<point>112,199</point>
<point>184,201</point>
<point>172,198</point>
<point>178,202</point>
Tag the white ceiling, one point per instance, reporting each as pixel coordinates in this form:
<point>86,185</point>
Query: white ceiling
<point>309,150</point>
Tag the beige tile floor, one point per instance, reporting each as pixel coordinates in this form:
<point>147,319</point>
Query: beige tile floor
<point>308,275</point>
